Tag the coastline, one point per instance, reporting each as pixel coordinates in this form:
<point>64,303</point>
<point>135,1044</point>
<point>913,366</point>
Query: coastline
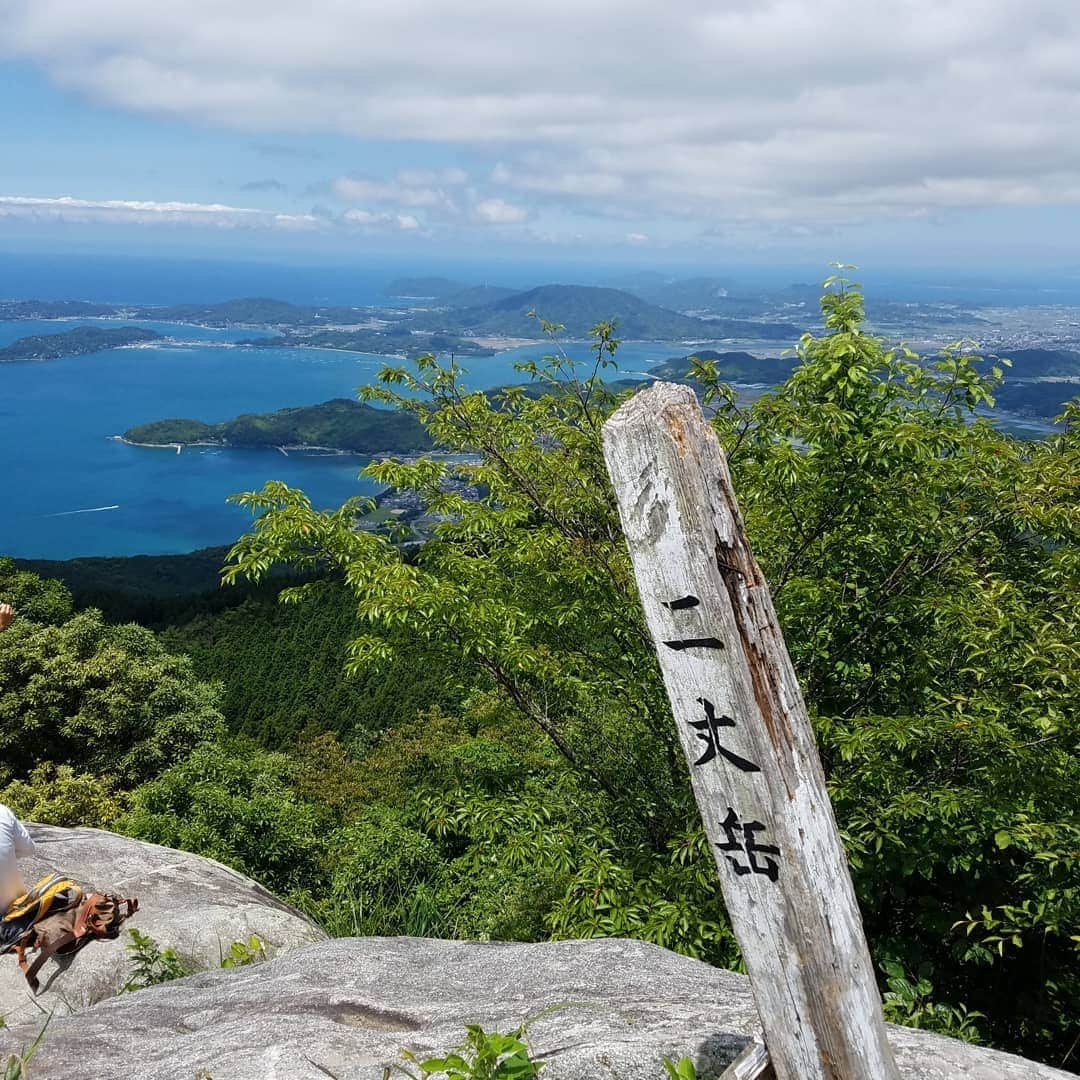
<point>327,451</point>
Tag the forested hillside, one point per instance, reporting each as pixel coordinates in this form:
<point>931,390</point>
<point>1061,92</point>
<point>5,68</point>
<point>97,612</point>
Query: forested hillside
<point>281,671</point>
<point>500,760</point>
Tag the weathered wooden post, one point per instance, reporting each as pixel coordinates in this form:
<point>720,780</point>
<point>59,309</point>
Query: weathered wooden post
<point>747,737</point>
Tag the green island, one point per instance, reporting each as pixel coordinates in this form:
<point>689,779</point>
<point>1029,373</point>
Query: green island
<point>55,309</point>
<point>77,342</point>
<point>340,424</point>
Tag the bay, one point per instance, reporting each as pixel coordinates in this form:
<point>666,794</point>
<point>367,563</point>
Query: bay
<point>62,468</point>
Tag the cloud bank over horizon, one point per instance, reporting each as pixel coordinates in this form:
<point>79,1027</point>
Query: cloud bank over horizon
<point>725,120</point>
<point>70,210</point>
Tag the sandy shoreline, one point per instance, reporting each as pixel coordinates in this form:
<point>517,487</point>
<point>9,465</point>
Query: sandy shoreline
<point>230,446</point>
<point>503,343</point>
<point>336,451</point>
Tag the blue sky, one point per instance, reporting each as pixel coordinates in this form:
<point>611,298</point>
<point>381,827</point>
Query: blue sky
<point>920,132</point>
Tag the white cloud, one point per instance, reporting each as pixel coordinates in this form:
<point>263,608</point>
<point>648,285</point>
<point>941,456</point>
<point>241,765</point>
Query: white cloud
<point>499,212</point>
<point>143,212</point>
<point>146,212</point>
<point>377,221</point>
<point>542,178</point>
<point>430,177</point>
<point>409,190</point>
<point>810,111</point>
<point>360,189</point>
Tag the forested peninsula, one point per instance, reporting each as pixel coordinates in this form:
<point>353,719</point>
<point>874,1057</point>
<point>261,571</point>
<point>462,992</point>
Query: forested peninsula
<point>78,342</point>
<point>391,341</point>
<point>340,424</point>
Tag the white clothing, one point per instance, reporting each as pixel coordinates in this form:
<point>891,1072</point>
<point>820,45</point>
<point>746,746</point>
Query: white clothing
<point>14,841</point>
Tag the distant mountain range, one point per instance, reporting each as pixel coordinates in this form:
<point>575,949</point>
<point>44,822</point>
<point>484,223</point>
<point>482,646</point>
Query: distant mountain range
<point>717,296</point>
<point>1041,363</point>
<point>457,311</point>
<point>444,292</point>
<point>1037,400</point>
<point>580,307</point>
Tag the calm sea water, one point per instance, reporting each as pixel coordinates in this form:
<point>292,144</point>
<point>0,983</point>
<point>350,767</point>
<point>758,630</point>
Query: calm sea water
<point>122,279</point>
<point>61,466</point>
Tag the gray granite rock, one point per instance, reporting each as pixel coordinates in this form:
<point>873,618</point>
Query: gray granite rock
<point>345,1008</point>
<point>196,905</point>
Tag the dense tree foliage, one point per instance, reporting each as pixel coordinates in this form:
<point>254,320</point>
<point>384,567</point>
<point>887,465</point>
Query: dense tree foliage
<point>233,802</point>
<point>58,795</point>
<point>40,600</point>
<point>925,567</point>
<point>75,691</point>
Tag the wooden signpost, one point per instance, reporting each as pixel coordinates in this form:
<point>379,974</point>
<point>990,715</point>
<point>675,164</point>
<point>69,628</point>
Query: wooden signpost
<point>747,737</point>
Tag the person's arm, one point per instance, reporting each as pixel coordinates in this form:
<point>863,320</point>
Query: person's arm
<point>24,842</point>
<point>7,614</point>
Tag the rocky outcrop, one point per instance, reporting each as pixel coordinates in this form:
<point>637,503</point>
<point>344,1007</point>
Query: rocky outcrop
<point>196,905</point>
<point>345,1009</point>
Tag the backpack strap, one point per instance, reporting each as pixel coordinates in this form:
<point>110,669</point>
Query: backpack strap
<point>102,915</point>
<point>54,946</point>
<point>92,915</point>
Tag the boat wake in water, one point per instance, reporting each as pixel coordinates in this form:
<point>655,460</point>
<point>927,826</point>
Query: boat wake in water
<point>88,510</point>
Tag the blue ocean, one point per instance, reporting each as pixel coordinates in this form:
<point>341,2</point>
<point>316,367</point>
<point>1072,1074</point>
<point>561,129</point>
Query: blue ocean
<point>71,490</point>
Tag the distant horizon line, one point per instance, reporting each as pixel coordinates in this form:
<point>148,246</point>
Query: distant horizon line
<point>420,265</point>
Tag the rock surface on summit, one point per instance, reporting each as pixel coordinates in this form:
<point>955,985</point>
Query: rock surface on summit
<point>345,1008</point>
<point>196,905</point>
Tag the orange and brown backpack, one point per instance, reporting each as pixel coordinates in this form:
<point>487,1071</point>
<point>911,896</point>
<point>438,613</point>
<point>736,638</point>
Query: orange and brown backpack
<point>56,918</point>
